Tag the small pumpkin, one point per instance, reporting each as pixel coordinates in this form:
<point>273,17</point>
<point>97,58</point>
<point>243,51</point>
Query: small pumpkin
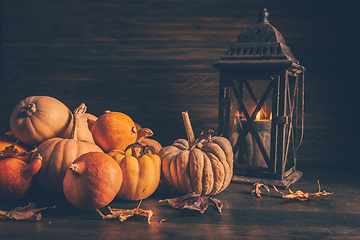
<point>141,169</point>
<point>92,181</point>
<point>59,153</point>
<point>113,130</point>
<point>204,166</point>
<point>16,177</point>
<point>37,118</point>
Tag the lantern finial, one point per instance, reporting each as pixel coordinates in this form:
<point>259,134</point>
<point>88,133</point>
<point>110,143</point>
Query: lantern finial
<point>263,16</point>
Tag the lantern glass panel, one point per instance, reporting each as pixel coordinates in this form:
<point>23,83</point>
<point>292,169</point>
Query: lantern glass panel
<point>250,123</point>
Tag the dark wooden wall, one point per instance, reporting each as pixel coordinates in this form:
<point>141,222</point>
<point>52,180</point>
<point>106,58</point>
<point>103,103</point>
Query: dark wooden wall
<point>152,60</point>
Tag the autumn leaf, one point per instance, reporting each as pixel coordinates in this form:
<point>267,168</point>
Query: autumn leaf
<point>12,152</point>
<point>28,212</point>
<point>124,214</point>
<point>195,201</point>
<point>301,196</point>
<point>255,189</point>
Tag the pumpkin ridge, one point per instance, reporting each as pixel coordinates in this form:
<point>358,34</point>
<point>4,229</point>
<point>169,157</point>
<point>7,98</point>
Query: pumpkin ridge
<point>218,171</point>
<point>220,154</point>
<point>208,176</point>
<point>196,169</point>
<point>183,171</point>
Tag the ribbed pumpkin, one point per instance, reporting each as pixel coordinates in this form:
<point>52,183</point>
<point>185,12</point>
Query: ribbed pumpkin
<point>38,118</point>
<point>204,166</point>
<point>141,169</point>
<point>59,153</point>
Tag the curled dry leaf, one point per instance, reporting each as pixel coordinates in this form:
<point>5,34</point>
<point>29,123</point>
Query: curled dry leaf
<point>301,196</point>
<point>255,189</point>
<point>195,201</point>
<point>13,152</point>
<point>28,212</point>
<point>123,214</point>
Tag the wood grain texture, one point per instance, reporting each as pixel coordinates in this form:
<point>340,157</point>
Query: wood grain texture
<point>152,60</point>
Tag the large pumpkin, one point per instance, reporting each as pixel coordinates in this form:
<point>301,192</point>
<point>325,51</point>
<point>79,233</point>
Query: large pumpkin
<point>204,166</point>
<point>141,171</point>
<point>38,118</point>
<point>59,153</point>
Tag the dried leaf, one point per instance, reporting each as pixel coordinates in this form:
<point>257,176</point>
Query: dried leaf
<point>28,212</point>
<point>255,189</point>
<point>195,201</point>
<point>123,214</point>
<point>11,151</point>
<point>301,196</point>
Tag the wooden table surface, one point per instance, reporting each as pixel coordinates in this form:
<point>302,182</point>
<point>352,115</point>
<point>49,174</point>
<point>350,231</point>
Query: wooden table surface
<point>335,216</point>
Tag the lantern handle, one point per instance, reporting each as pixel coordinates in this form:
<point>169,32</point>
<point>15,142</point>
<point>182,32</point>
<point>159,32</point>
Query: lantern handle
<point>302,107</point>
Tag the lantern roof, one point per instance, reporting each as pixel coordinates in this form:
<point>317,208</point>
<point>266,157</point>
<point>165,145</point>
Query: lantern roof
<point>259,43</point>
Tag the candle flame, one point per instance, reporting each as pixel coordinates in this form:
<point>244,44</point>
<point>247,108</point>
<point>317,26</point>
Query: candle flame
<point>258,116</point>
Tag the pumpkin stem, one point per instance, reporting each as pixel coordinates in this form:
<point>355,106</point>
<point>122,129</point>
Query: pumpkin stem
<point>188,128</point>
<point>143,133</point>
<point>78,112</point>
<point>143,149</point>
<point>74,167</point>
<point>28,110</point>
<point>34,166</point>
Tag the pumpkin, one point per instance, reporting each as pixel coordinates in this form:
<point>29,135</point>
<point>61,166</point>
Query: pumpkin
<point>92,181</point>
<point>141,171</point>
<point>204,166</point>
<point>113,130</point>
<point>38,118</point>
<point>16,177</point>
<point>6,141</point>
<point>59,153</point>
<point>143,135</point>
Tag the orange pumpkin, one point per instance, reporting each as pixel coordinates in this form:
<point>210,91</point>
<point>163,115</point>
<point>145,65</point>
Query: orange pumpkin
<point>113,130</point>
<point>92,181</point>
<point>38,118</point>
<point>16,177</point>
<point>59,153</point>
<point>141,169</point>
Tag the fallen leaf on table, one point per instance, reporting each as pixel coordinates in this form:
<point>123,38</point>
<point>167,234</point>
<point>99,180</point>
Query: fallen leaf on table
<point>28,212</point>
<point>301,196</point>
<point>123,214</point>
<point>195,201</point>
<point>255,189</point>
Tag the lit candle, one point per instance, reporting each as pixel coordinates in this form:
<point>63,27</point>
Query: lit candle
<point>251,154</point>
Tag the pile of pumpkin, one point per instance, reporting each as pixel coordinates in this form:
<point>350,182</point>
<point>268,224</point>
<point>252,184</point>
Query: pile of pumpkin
<point>92,160</point>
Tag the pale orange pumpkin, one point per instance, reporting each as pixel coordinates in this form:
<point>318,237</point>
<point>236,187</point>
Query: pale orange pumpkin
<point>143,135</point>
<point>113,130</point>
<point>59,153</point>
<point>37,118</point>
<point>92,181</point>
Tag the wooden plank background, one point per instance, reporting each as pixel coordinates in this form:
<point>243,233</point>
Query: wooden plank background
<point>151,59</point>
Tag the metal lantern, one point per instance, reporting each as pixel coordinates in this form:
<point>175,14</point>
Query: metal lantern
<point>261,105</point>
